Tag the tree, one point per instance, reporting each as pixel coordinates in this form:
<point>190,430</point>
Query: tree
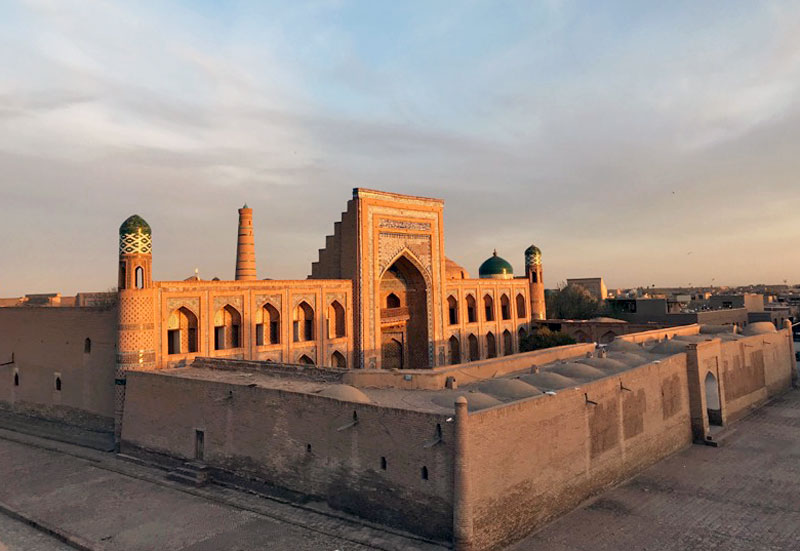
<point>571,302</point>
<point>544,338</point>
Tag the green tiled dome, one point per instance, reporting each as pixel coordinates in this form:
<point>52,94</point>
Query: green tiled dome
<point>135,224</point>
<point>495,267</point>
<point>533,250</point>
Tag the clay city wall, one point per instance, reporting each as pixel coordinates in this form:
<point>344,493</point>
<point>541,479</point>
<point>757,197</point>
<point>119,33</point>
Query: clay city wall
<point>49,345</point>
<point>304,443</point>
<point>533,460</point>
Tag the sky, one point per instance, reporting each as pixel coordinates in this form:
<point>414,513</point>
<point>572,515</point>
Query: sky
<point>650,143</point>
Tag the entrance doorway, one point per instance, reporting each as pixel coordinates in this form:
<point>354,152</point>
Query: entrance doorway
<point>404,316</point>
<point>199,444</point>
<point>713,408</point>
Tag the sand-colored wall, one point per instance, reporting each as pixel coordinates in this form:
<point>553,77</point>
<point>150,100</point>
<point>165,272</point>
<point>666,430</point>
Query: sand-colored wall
<point>50,342</point>
<point>748,372</point>
<point>533,460</point>
<point>435,379</point>
<point>264,433</point>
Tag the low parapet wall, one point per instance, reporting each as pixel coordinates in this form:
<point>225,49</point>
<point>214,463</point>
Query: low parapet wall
<point>661,334</point>
<point>435,379</point>
<point>293,371</point>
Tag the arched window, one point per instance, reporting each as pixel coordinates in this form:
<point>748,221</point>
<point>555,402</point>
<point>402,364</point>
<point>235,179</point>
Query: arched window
<point>338,360</point>
<point>424,473</point>
<point>16,378</point>
<point>474,351</point>
<point>392,301</point>
<point>488,307</point>
<point>383,463</point>
<point>139,277</point>
<point>491,345</point>
<point>182,332</point>
<point>520,306</point>
<point>505,307</point>
<point>452,310</point>
<point>335,320</point>
<point>607,337</point>
<point>227,328</point>
<point>303,326</point>
<point>521,336</point>
<point>508,344</point>
<point>268,325</point>
<point>472,316</point>
<point>87,345</point>
<point>713,408</point>
<point>455,351</point>
<point>58,383</point>
<point>305,360</point>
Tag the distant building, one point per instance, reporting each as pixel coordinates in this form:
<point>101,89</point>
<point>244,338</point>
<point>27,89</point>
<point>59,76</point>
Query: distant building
<point>671,312</point>
<point>595,285</point>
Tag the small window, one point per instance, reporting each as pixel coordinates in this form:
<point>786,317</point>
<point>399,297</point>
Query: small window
<point>308,448</point>
<point>383,463</point>
<point>16,379</point>
<point>87,346</point>
<point>58,384</point>
<point>259,334</point>
<point>392,301</point>
<point>139,277</point>
<point>424,473</point>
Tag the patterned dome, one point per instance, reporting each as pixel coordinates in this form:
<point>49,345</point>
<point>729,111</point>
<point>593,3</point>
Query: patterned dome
<point>496,268</point>
<point>533,250</point>
<point>533,255</point>
<point>135,236</point>
<point>135,224</point>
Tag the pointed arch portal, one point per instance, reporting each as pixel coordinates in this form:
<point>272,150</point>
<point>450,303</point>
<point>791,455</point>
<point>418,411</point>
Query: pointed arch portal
<point>404,324</point>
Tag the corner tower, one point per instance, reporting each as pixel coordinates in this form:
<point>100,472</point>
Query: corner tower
<point>135,310</point>
<point>533,271</point>
<point>245,246</point>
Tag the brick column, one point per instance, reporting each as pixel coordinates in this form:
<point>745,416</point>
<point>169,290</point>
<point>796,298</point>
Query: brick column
<point>462,500</point>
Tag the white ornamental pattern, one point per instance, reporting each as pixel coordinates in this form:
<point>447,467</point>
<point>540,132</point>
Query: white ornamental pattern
<point>135,243</point>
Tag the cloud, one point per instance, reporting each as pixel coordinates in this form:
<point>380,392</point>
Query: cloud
<point>612,138</point>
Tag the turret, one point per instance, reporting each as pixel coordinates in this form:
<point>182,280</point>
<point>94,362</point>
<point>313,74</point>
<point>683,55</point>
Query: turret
<point>245,246</point>
<point>135,254</point>
<point>533,271</point>
<point>136,342</point>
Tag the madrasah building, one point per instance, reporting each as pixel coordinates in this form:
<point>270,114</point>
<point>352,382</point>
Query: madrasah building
<point>388,384</point>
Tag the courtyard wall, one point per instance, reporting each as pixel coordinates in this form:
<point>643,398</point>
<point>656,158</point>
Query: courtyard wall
<point>533,460</point>
<point>304,443</point>
<point>50,344</point>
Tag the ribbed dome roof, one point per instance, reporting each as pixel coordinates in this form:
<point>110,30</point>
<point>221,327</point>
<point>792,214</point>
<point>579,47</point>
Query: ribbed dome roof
<point>135,224</point>
<point>533,250</point>
<point>496,267</point>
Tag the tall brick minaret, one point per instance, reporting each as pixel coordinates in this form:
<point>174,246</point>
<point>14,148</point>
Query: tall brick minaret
<point>245,247</point>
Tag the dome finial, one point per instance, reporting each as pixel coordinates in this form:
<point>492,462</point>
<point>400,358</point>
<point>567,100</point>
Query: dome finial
<point>494,252</point>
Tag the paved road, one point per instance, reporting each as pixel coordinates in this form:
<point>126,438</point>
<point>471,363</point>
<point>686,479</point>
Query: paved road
<point>18,536</point>
<point>744,495</point>
<point>110,504</point>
